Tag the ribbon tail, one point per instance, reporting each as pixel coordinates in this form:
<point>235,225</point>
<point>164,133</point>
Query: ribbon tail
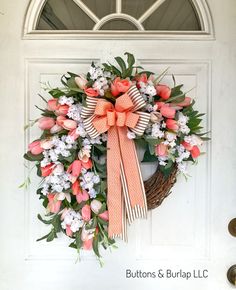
<point>132,183</point>
<point>115,201</point>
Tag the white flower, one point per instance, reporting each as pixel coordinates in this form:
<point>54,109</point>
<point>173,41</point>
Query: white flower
<point>156,132</point>
<point>183,167</point>
<point>72,219</point>
<point>84,155</point>
<point>170,136</point>
<point>63,195</point>
<point>59,169</point>
<point>184,129</point>
<point>182,119</point>
<point>74,112</point>
<point>66,100</point>
<point>130,134</point>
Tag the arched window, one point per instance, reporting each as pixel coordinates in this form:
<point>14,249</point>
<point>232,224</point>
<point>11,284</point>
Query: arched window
<point>118,17</point>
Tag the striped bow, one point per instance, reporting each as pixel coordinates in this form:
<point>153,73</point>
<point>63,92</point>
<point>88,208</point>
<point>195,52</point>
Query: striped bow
<point>123,171</point>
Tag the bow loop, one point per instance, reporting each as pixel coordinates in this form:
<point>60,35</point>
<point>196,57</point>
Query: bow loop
<point>124,103</point>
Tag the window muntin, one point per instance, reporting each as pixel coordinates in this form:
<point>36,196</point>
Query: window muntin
<point>119,15</point>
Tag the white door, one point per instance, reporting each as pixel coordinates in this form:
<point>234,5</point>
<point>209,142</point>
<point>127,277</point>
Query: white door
<point>190,230</point>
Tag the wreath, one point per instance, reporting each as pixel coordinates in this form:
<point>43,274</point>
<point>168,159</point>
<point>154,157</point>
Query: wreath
<point>86,155</point>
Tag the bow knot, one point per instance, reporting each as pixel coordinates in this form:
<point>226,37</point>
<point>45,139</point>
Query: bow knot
<point>108,115</point>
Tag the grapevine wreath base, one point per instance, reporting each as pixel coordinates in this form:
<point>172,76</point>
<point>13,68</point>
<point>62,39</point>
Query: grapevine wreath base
<point>158,187</point>
<point>86,154</point>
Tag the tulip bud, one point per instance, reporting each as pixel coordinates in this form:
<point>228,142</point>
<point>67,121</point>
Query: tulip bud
<point>81,81</point>
<point>46,144</point>
<point>155,117</point>
<point>59,169</point>
<point>55,129</point>
<point>46,123</point>
<point>35,147</point>
<point>95,206</point>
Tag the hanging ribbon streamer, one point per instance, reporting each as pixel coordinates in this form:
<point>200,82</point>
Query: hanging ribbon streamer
<point>124,180</point>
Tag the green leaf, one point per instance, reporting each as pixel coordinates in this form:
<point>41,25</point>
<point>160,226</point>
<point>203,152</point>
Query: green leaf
<point>148,157</point>
<point>46,222</point>
<point>176,99</point>
<point>101,221</point>
<point>73,245</point>
<point>148,73</point>
<point>130,59</point>
<point>78,240</point>
<point>73,86</point>
<point>95,246</point>
<point>52,235</point>
<point>42,238</point>
<point>115,70</point>
<point>56,93</point>
<point>30,157</point>
<point>122,65</point>
<point>161,76</point>
<point>153,141</point>
<point>100,147</point>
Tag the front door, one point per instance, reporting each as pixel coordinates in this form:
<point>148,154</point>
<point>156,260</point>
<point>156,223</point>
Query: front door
<point>189,232</point>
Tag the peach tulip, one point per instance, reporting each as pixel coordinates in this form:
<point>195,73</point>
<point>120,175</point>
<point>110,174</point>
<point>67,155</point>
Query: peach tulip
<point>47,170</point>
<point>46,123</point>
<point>91,92</point>
<point>187,145</point>
<point>46,144</point>
<point>141,78</point>
<point>58,169</point>
<point>55,129</point>
<point>69,232</point>
<point>81,81</point>
<point>87,245</point>
<point>104,215</point>
<point>88,164</point>
<point>75,168</point>
<point>167,111</point>
<point>195,152</point>
<point>82,196</point>
<point>60,120</point>
<point>86,213</point>
<point>62,110</point>
<point>52,105</point>
<point>172,124</point>
<point>69,124</point>
<point>74,134</point>
<point>53,204</point>
<point>76,188</point>
<point>87,234</point>
<point>120,86</point>
<point>35,147</point>
<point>161,150</point>
<point>187,101</point>
<point>95,206</point>
<point>163,91</point>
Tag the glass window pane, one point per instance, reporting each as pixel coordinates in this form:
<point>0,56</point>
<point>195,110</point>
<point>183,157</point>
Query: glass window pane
<point>64,15</point>
<point>101,7</point>
<point>173,15</point>
<point>118,24</point>
<point>136,8</point>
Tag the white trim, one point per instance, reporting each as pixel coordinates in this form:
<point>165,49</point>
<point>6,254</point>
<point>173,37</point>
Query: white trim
<point>118,6</point>
<point>36,6</point>
<point>113,16</point>
<point>150,10</point>
<point>87,10</point>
